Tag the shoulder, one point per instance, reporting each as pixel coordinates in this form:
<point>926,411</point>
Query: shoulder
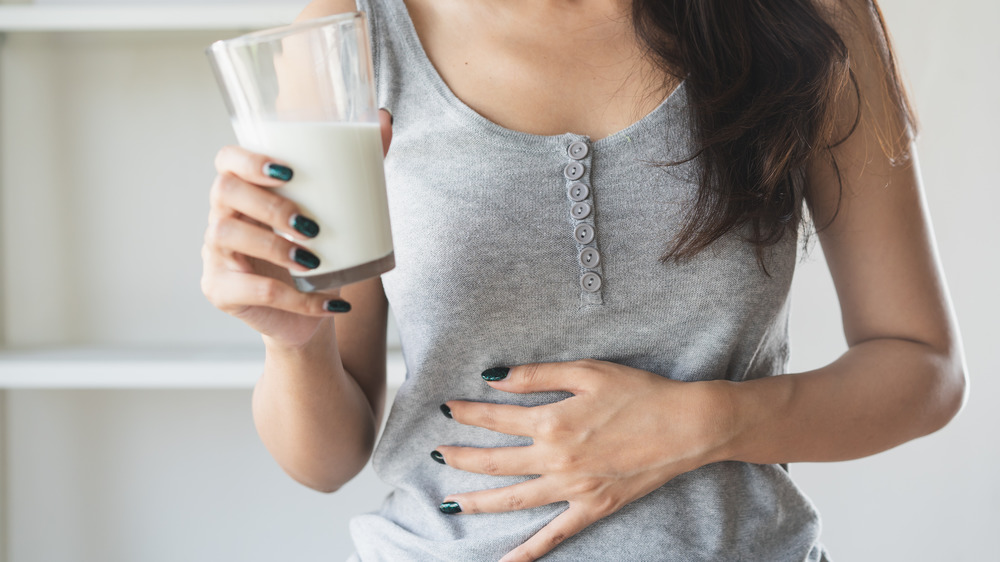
<point>871,99</point>
<point>872,121</point>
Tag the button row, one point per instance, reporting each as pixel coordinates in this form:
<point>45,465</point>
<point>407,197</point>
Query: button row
<point>578,193</point>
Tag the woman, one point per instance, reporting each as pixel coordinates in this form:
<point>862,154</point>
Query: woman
<point>596,207</point>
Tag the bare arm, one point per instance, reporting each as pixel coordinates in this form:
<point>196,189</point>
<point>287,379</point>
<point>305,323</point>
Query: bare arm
<point>318,405</point>
<point>903,375</point>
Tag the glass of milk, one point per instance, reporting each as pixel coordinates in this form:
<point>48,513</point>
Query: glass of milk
<point>305,94</point>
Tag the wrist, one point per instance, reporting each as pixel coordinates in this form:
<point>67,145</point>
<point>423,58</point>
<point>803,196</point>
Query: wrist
<point>318,343</point>
<point>750,413</point>
<point>727,419</point>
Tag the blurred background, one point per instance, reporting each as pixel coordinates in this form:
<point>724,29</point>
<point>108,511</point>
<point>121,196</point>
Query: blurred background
<point>125,397</point>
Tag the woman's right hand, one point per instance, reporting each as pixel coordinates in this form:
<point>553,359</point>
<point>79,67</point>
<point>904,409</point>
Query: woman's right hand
<point>245,260</point>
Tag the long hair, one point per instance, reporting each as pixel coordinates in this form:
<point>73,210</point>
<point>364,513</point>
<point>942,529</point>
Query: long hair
<point>762,78</point>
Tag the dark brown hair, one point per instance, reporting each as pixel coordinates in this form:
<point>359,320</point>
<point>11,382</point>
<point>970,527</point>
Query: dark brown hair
<point>762,78</point>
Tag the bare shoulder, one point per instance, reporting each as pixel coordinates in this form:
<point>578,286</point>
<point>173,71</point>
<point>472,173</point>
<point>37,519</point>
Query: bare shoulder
<point>323,8</point>
<point>871,109</point>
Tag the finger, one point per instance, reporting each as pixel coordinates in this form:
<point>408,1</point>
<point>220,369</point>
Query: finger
<point>252,167</point>
<point>230,234</point>
<point>564,526</point>
<point>537,377</point>
<point>526,495</point>
<point>233,194</point>
<point>499,461</point>
<point>385,122</point>
<point>502,418</point>
<point>232,292</point>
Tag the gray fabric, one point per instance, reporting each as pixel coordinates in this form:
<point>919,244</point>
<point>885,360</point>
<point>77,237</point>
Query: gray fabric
<point>488,275</point>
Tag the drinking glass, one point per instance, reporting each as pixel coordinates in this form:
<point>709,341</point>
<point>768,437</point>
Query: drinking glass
<point>304,93</point>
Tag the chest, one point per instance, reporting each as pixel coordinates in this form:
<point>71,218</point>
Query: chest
<point>541,75</point>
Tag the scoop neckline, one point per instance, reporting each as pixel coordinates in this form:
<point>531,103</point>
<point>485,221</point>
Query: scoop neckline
<point>505,135</point>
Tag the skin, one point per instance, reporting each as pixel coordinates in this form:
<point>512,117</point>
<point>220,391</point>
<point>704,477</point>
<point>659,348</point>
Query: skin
<point>319,403</point>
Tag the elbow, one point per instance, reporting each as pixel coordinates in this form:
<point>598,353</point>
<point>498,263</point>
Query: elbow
<point>960,392</point>
<point>323,473</point>
<point>323,487</point>
<point>952,392</point>
<point>326,484</point>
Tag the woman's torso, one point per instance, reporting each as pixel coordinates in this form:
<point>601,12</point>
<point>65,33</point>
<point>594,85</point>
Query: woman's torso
<point>489,274</point>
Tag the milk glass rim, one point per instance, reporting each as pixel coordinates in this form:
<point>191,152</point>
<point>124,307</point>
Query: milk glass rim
<point>280,32</point>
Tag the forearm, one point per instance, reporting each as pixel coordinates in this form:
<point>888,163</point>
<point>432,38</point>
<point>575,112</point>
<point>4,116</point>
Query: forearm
<point>879,394</point>
<point>312,415</point>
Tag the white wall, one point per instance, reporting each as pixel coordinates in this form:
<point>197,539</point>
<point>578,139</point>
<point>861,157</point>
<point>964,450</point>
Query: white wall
<point>180,475</point>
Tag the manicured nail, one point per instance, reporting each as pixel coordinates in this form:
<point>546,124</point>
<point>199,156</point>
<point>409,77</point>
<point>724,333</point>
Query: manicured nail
<point>305,258</point>
<point>307,227</point>
<point>495,374</point>
<point>436,455</point>
<point>446,411</point>
<point>338,306</point>
<point>450,508</point>
<point>277,171</point>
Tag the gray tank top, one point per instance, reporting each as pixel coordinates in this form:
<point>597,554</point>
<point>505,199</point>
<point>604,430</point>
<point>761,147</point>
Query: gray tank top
<point>514,248</point>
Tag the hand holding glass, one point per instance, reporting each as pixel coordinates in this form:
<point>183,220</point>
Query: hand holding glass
<point>304,93</point>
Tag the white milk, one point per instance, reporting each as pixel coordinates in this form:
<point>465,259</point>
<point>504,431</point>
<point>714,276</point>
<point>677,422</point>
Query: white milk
<point>338,181</point>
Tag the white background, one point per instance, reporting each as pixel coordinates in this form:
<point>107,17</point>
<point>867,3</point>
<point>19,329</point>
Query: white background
<point>126,125</point>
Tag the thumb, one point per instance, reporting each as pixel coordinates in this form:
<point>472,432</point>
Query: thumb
<point>385,120</point>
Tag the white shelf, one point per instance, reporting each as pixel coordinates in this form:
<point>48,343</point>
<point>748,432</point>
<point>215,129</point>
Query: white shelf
<point>133,368</point>
<point>33,18</point>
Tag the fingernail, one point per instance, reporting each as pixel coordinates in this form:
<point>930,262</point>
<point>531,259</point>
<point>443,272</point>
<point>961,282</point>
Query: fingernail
<point>436,455</point>
<point>446,411</point>
<point>338,306</point>
<point>450,508</point>
<point>307,227</point>
<point>277,171</point>
<point>305,258</point>
<point>495,374</point>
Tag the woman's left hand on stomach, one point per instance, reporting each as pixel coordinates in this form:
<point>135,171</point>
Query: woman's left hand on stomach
<point>624,433</point>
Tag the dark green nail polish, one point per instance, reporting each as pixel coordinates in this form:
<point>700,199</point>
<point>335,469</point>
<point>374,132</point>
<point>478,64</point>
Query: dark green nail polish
<point>446,411</point>
<point>307,227</point>
<point>450,508</point>
<point>305,258</point>
<point>436,455</point>
<point>277,171</point>
<point>338,306</point>
<point>495,374</point>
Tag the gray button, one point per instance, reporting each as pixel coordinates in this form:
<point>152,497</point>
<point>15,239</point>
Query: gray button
<point>590,258</point>
<point>573,170</point>
<point>591,282</point>
<point>578,191</point>
<point>581,210</point>
<point>578,150</point>
<point>584,233</point>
